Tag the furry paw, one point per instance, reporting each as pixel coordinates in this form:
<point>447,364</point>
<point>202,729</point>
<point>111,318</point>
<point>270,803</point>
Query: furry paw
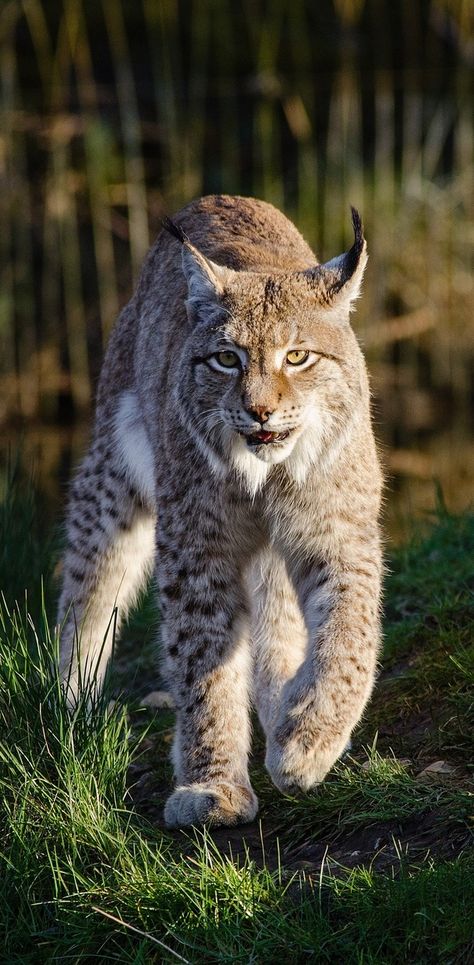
<point>158,700</point>
<point>214,804</point>
<point>294,766</point>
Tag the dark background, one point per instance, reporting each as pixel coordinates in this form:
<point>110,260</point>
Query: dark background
<point>114,113</point>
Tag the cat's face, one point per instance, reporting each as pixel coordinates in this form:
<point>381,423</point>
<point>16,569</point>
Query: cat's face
<point>274,368</point>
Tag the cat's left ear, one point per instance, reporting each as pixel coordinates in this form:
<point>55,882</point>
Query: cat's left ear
<point>206,280</point>
<point>337,283</point>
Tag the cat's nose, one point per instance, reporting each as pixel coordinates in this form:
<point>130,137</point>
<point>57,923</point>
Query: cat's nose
<point>260,412</point>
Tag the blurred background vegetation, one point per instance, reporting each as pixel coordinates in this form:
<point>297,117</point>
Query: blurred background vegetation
<point>115,112</point>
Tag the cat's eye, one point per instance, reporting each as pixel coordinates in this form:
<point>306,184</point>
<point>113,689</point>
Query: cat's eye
<point>225,361</point>
<point>228,359</point>
<point>297,356</point>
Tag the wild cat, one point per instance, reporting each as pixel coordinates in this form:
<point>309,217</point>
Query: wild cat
<point>233,451</point>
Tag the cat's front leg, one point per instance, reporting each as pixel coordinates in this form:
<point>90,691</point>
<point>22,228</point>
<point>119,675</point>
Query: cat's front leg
<point>324,701</point>
<point>205,637</point>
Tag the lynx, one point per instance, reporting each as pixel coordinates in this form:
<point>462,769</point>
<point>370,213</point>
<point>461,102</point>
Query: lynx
<point>233,451</point>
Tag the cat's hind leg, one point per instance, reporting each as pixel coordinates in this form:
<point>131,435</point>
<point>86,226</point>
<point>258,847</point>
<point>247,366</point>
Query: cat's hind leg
<point>110,551</point>
<point>279,634</point>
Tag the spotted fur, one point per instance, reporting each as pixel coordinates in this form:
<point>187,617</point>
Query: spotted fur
<point>267,553</point>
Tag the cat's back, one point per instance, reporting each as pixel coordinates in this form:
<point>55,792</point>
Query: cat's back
<point>245,234</point>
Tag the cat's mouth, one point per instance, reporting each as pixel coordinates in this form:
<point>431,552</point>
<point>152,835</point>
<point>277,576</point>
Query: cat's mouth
<point>264,437</point>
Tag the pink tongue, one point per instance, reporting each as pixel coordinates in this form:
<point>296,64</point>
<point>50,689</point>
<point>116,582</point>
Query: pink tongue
<point>264,436</point>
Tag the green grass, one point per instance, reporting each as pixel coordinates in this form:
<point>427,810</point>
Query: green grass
<point>373,868</point>
<point>428,642</point>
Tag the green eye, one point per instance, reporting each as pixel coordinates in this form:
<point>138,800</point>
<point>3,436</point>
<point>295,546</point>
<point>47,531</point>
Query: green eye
<point>297,356</point>
<point>228,360</point>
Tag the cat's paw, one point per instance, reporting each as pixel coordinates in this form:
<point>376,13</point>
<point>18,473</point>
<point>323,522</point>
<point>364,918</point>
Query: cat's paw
<point>297,765</point>
<point>214,804</point>
<point>158,700</point>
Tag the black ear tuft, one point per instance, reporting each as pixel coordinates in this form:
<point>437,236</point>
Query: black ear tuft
<point>358,232</point>
<point>354,253</point>
<point>174,230</point>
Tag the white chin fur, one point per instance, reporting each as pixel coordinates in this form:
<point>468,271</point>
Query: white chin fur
<point>273,452</point>
<point>253,465</point>
<point>252,471</point>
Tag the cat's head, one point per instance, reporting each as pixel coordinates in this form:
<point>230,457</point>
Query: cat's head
<point>276,371</point>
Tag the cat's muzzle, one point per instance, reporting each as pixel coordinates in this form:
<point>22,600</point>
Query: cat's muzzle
<point>263,437</point>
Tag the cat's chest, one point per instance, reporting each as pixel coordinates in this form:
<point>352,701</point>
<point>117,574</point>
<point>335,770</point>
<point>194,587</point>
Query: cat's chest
<point>305,517</point>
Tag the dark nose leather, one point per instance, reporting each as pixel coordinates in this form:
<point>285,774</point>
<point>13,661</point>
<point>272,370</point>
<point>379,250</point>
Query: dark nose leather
<point>260,413</point>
